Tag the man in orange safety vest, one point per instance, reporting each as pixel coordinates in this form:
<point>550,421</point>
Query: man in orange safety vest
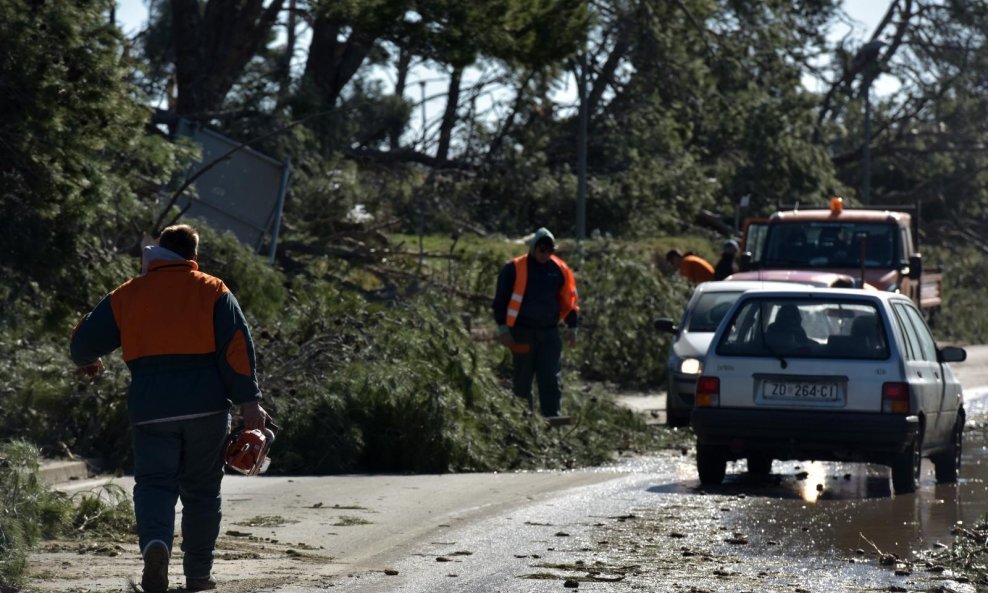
<point>535,292</point>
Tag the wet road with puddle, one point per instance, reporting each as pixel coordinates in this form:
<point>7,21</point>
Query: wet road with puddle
<point>848,506</point>
<point>807,527</point>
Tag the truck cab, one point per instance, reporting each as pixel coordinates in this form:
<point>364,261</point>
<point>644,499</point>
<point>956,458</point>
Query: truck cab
<point>875,247</point>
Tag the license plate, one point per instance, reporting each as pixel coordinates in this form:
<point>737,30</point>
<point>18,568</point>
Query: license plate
<point>824,391</point>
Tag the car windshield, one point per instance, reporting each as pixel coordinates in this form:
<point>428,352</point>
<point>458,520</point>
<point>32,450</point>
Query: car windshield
<point>830,245</point>
<point>710,308</point>
<point>805,328</point>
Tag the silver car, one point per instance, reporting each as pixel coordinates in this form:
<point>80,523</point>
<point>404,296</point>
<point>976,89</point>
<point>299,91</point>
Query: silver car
<point>705,309</point>
<point>828,374</point>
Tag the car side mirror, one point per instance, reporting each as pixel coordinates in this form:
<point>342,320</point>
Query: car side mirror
<point>915,266</point>
<point>664,324</point>
<point>952,354</point>
<point>744,262</point>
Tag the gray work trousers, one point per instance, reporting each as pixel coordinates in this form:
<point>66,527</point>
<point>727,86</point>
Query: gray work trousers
<point>181,459</point>
<point>542,361</point>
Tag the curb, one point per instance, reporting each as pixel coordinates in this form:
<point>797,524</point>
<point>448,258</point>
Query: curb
<point>59,472</point>
<point>651,407</point>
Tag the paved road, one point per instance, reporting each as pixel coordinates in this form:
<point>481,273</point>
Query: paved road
<point>309,531</point>
<point>506,532</point>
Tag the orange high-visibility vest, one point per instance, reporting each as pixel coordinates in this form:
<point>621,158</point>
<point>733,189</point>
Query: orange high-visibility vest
<point>567,294</point>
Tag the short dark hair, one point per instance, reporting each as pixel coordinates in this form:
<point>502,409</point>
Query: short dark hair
<point>182,239</point>
<point>672,254</point>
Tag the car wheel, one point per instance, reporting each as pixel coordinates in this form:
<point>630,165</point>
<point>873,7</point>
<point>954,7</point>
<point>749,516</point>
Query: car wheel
<point>711,464</point>
<point>947,464</point>
<point>905,467</point>
<point>759,465</point>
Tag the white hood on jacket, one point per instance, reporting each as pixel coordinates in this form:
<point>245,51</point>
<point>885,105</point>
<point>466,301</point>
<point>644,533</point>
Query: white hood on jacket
<point>153,253</point>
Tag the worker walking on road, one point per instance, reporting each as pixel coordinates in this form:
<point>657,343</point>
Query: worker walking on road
<point>190,354</point>
<point>692,267</point>
<point>534,293</point>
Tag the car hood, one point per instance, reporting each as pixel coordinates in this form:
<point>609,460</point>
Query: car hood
<point>692,345</point>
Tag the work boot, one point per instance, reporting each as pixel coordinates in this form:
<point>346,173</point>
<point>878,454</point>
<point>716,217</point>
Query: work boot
<point>206,583</point>
<point>155,578</point>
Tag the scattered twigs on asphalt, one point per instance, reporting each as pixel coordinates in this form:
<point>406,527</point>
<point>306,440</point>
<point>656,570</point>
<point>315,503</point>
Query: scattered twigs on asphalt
<point>884,558</point>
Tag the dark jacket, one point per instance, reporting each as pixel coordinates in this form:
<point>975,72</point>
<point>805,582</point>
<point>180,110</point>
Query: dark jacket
<point>725,266</point>
<point>540,305</point>
<point>183,337</point>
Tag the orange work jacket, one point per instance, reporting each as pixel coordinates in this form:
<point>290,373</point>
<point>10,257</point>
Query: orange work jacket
<point>567,293</point>
<point>696,269</point>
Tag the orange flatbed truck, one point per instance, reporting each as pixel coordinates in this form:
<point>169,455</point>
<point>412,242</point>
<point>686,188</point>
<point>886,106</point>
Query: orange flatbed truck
<point>876,247</point>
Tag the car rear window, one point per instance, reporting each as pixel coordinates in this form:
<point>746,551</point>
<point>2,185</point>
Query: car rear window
<point>805,328</point>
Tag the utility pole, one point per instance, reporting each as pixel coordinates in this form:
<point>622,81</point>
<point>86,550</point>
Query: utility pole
<point>866,62</point>
<point>866,154</point>
<point>581,156</point>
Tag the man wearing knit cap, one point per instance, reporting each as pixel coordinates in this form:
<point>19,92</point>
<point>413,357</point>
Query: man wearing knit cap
<point>535,292</point>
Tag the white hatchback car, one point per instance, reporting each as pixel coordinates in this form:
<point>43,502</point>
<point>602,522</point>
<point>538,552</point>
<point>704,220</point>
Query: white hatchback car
<point>707,306</point>
<point>828,374</point>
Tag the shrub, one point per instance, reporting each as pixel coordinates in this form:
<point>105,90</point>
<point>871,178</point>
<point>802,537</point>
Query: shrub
<point>962,317</point>
<point>29,510</point>
<point>621,294</point>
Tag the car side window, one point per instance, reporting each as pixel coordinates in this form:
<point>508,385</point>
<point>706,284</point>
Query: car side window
<point>927,346</point>
<point>909,337</point>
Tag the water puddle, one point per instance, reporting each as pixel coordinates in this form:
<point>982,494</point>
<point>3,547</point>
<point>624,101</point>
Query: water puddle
<point>848,508</point>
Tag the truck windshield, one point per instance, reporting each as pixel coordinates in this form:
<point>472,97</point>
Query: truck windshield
<point>806,244</point>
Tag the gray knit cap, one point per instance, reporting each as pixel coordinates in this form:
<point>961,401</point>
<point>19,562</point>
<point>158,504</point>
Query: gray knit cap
<point>541,236</point>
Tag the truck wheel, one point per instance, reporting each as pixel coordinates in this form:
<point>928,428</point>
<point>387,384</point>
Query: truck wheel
<point>947,464</point>
<point>905,467</point>
<point>759,465</point>
<point>711,464</point>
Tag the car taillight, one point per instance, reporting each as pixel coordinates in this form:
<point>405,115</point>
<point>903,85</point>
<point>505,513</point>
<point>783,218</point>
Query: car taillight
<point>895,398</point>
<point>707,392</point>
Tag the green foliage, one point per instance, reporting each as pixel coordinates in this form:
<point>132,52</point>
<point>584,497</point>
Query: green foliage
<point>541,32</point>
<point>360,386</point>
<point>45,404</point>
<point>30,511</point>
<point>962,317</point>
<point>621,294</point>
<point>26,506</point>
<point>258,287</point>
<point>104,512</point>
<point>74,154</point>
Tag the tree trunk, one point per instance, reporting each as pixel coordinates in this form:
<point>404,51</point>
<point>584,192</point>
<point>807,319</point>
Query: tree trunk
<point>607,71</point>
<point>213,47</point>
<point>285,67</point>
<point>449,117</point>
<point>187,27</point>
<point>332,63</point>
<point>404,60</point>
